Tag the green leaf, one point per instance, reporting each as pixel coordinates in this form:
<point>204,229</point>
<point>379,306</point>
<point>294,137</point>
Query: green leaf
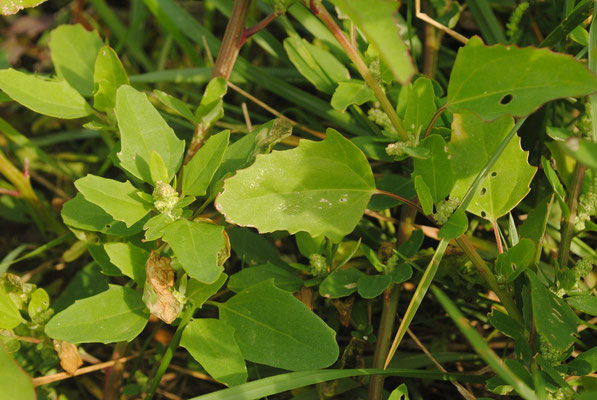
<point>507,183</point>
<point>308,245</point>
<point>392,183</point>
<point>371,286</point>
<point>129,259</point>
<point>303,189</point>
<point>87,282</point>
<point>319,66</point>
<point>252,248</point>
<point>10,317</point>
<point>553,317</point>
<point>248,277</point>
<point>197,246</point>
<point>436,170</point>
<point>119,199</point>
<point>586,303</point>
<point>492,81</point>
<point>420,107</point>
<point>456,225</point>
<point>157,168</point>
<point>376,20</point>
<point>74,50</point>
<point>556,185</point>
<point>424,195</point>
<point>402,273</point>
<point>351,92</point>
<point>211,107</point>
<point>39,302</point>
<point>143,130</point>
<point>276,329</point>
<point>54,98</point>
<point>116,315</point>
<point>179,106</point>
<point>108,76</point>
<point>211,342</point>
<point>340,283</point>
<point>584,364</point>
<point>82,214</point>
<point>400,393</point>
<point>582,150</point>
<point>199,292</point>
<point>199,172</point>
<point>14,382</point>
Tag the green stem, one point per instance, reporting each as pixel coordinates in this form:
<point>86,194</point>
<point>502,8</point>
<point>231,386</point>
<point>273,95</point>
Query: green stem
<point>360,65</point>
<point>169,353</point>
<point>568,223</point>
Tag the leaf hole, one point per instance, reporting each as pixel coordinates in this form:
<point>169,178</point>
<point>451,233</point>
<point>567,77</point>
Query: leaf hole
<point>483,191</point>
<point>493,174</point>
<point>483,214</point>
<point>506,99</point>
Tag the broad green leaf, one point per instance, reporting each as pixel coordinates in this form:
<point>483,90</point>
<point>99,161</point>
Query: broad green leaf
<point>420,107</point>
<point>553,317</point>
<point>198,173</point>
<point>492,81</point>
<point>436,170</point>
<point>10,317</point>
<point>108,76</point>
<point>211,342</point>
<point>129,259</point>
<point>276,329</point>
<point>456,225</point>
<point>199,292</point>
<point>582,150</point>
<point>303,189</point>
<point>14,382</point>
<point>39,302</point>
<point>54,98</point>
<point>87,282</point>
<point>143,130</point>
<point>340,283</point>
<point>507,183</point>
<point>119,199</point>
<point>534,226</point>
<point>82,214</point>
<point>179,106</point>
<point>372,257</point>
<point>248,277</point>
<point>319,66</point>
<point>400,393</point>
<point>371,286</point>
<point>116,315</point>
<point>584,364</point>
<point>74,50</point>
<point>424,195</point>
<point>197,246</point>
<point>351,92</point>
<point>376,20</point>
<point>154,227</point>
<point>9,7</point>
<point>409,248</point>
<point>373,147</point>
<point>252,248</point>
<point>586,303</point>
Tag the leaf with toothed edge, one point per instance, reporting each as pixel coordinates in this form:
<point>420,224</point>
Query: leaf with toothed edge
<point>507,183</point>
<point>321,188</point>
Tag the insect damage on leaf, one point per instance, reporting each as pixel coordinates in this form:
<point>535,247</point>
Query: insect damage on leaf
<point>158,292</point>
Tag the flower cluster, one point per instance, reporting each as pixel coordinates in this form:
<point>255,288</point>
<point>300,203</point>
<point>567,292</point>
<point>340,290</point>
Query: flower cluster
<point>318,264</point>
<point>165,199</point>
<point>444,209</point>
<point>583,267</point>
<point>587,205</point>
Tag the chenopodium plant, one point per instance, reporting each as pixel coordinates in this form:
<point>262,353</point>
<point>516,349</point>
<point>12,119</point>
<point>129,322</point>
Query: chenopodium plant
<point>143,227</point>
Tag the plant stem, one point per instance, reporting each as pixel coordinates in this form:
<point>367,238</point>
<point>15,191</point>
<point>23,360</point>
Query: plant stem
<point>360,65</point>
<point>568,223</point>
<point>169,353</point>
<point>388,313</point>
<point>231,43</point>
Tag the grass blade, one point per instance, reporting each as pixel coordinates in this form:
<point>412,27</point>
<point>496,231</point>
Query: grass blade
<point>284,382</point>
<point>481,346</point>
<point>487,21</point>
